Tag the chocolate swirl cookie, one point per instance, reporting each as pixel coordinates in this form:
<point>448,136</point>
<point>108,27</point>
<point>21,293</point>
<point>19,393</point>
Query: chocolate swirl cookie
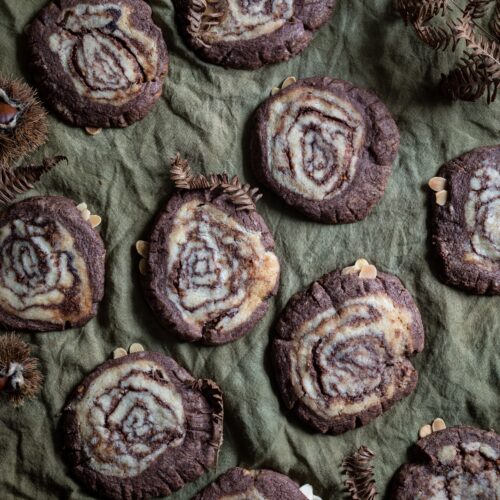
<point>326,148</point>
<point>99,64</point>
<point>51,266</point>
<point>211,267</point>
<point>461,462</point>
<point>243,484</point>
<point>250,34</point>
<point>466,228</point>
<point>141,426</point>
<point>342,350</point>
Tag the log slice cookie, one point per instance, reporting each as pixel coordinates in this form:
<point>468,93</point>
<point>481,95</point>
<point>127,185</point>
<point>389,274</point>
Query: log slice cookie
<point>461,462</point>
<point>242,34</point>
<point>140,426</point>
<point>243,484</point>
<point>342,350</point>
<point>466,228</point>
<point>51,265</point>
<point>98,64</point>
<point>326,148</point>
<point>211,268</point>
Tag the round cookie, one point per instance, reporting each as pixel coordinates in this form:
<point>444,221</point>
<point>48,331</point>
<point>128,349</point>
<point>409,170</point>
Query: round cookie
<point>140,426</point>
<point>98,64</point>
<point>342,348</point>
<point>211,268</point>
<point>326,148</point>
<point>52,266</point>
<point>248,35</point>
<point>241,484</point>
<point>466,229</point>
<point>461,462</point>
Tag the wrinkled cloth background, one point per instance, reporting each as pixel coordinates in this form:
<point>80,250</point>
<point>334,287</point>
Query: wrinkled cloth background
<point>205,113</point>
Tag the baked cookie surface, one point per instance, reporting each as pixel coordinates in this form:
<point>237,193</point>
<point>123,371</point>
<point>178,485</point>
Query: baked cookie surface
<point>243,484</point>
<point>466,229</point>
<point>342,348</point>
<point>211,268</point>
<point>51,265</point>
<point>460,462</point>
<point>98,64</point>
<point>326,148</point>
<point>242,34</point>
<point>140,426</point>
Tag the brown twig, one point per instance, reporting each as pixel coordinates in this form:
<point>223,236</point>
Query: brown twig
<point>243,196</point>
<point>479,68</point>
<point>22,179</point>
<point>360,480</point>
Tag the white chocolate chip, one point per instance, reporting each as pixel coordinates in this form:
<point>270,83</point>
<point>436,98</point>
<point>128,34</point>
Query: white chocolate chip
<point>93,130</point>
<point>275,90</point>
<point>438,425</point>
<point>82,206</point>
<point>119,352</point>
<point>368,272</point>
<point>350,270</point>
<point>360,263</point>
<point>437,183</point>
<point>441,197</point>
<point>86,213</point>
<point>142,248</point>
<point>425,430</point>
<point>142,266</point>
<point>95,220</point>
<point>288,81</point>
<point>135,347</point>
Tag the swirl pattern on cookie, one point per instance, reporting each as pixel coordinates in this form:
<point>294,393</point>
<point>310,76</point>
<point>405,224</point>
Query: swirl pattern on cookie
<point>326,148</point>
<point>141,426</point>
<point>243,484</point>
<point>211,269</point>
<point>219,271</point>
<point>128,417</point>
<point>46,281</point>
<point>106,58</point>
<point>466,229</point>
<point>460,462</point>
<point>250,33</point>
<point>349,358</point>
<point>314,138</point>
<point>245,20</point>
<point>482,212</point>
<point>40,268</point>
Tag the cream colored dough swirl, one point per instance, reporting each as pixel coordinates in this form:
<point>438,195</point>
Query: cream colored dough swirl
<point>342,360</point>
<point>219,272</point>
<point>313,140</point>
<point>107,59</point>
<point>482,213</point>
<point>130,415</point>
<point>248,19</point>
<point>43,277</point>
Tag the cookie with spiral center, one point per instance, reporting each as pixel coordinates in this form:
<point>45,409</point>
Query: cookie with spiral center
<point>343,347</point>
<point>211,268</point>
<point>141,426</point>
<point>326,148</point>
<point>243,484</point>
<point>466,229</point>
<point>243,34</point>
<point>459,462</point>
<point>51,265</point>
<point>98,64</point>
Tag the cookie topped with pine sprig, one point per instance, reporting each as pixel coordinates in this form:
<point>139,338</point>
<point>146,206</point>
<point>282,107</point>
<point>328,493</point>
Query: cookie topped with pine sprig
<point>209,267</point>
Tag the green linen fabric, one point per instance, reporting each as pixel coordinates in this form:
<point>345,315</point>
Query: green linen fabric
<point>205,113</point>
